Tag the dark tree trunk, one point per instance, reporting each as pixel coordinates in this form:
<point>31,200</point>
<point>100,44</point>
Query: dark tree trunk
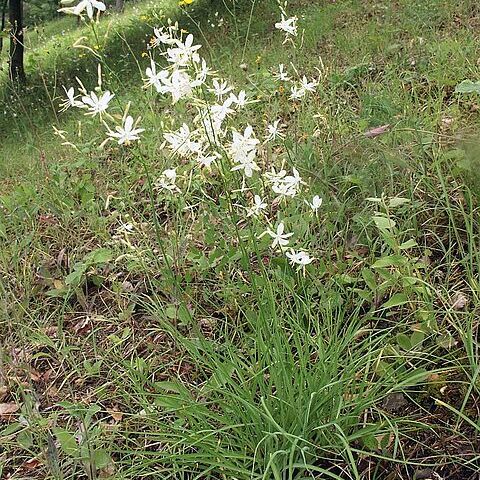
<point>17,73</point>
<point>119,4</point>
<point>2,23</point>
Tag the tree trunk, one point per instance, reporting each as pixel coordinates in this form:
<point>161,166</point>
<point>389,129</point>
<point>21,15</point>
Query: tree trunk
<point>2,23</point>
<point>17,72</point>
<point>119,5</point>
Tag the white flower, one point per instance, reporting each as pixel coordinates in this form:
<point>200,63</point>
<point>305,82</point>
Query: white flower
<point>181,142</point>
<point>167,181</point>
<point>71,100</point>
<point>244,144</point>
<point>88,5</point>
<point>127,133</point>
<point>297,93</point>
<point>274,131</point>
<point>275,177</point>
<point>298,258</point>
<point>97,104</point>
<point>204,71</point>
<point>157,79</point>
<point>161,37</point>
<point>220,88</point>
<point>180,85</point>
<point>205,160</point>
<point>125,228</point>
<point>283,184</point>
<point>184,53</point>
<point>220,111</point>
<point>301,91</point>
<point>247,164</point>
<point>308,86</point>
<point>281,74</point>
<point>279,238</point>
<point>288,25</point>
<point>257,207</point>
<point>316,203</point>
<point>240,100</point>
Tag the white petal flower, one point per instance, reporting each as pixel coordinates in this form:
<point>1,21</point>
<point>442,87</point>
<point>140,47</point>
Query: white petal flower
<point>88,5</point>
<point>280,239</point>
<point>161,36</point>
<point>220,88</point>
<point>315,204</point>
<point>96,104</point>
<point>157,79</point>
<point>288,25</point>
<point>300,258</point>
<point>126,133</point>
<point>167,181</point>
<point>243,145</point>
<point>206,160</point>
<point>274,131</point>
<point>247,164</point>
<point>71,100</point>
<point>257,207</point>
<point>240,100</point>
<point>297,93</point>
<point>282,75</point>
<point>308,86</point>
<point>184,53</point>
<point>181,142</point>
<point>179,85</point>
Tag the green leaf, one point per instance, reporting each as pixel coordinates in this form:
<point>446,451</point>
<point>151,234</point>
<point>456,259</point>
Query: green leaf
<point>369,278</point>
<point>184,315</point>
<point>101,459</point>
<point>467,86</point>
<point>383,223</point>
<point>75,278</point>
<point>398,201</point>
<point>408,244</point>
<point>390,261</point>
<point>415,377</point>
<point>67,441</point>
<point>403,341</point>
<point>396,300</point>
<point>417,338</point>
<point>101,255</point>
<point>171,312</point>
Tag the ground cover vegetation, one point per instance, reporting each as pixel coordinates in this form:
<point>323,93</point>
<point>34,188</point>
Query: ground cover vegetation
<point>240,240</point>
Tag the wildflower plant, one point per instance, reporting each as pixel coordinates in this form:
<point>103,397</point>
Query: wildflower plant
<point>210,142</point>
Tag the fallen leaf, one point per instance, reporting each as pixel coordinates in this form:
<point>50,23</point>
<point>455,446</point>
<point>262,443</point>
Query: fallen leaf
<point>115,414</point>
<point>82,326</point>
<point>31,464</point>
<point>8,409</point>
<point>3,391</point>
<point>375,132</point>
<point>460,301</point>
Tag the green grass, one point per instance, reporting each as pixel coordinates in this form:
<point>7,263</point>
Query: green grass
<point>185,349</point>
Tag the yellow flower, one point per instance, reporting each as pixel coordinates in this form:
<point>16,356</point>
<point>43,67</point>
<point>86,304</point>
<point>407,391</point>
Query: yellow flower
<point>144,54</point>
<point>185,2</point>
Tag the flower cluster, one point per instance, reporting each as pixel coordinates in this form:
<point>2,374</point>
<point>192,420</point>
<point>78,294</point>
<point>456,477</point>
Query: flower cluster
<point>211,138</point>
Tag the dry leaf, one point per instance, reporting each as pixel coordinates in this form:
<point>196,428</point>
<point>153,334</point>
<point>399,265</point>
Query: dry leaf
<point>31,464</point>
<point>375,132</point>
<point>3,391</point>
<point>8,409</point>
<point>460,301</point>
<point>116,415</point>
